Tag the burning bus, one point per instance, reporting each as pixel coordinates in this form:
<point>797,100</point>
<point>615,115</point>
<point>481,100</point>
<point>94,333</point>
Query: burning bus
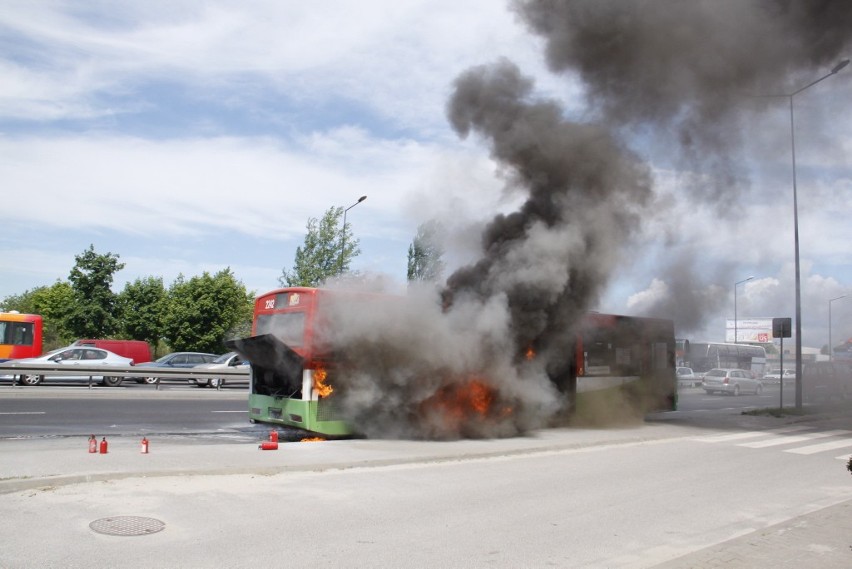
<point>313,368</point>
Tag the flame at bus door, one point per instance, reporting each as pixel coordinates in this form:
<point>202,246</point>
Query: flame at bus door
<point>322,389</point>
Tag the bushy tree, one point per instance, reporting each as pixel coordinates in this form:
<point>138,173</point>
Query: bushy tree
<point>141,306</point>
<point>94,312</point>
<point>327,251</point>
<point>202,311</point>
<point>425,252</point>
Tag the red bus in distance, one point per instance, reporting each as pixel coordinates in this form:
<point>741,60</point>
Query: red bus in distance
<point>20,335</point>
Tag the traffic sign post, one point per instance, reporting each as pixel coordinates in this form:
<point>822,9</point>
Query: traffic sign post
<point>781,328</point>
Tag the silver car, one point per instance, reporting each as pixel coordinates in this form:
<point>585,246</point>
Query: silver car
<point>733,381</point>
<point>75,356</point>
<point>231,360</point>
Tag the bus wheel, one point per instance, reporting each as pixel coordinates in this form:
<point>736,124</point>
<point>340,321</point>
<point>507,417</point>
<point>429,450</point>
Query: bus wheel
<point>31,379</point>
<point>111,381</point>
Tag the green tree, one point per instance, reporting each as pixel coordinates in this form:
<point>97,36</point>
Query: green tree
<point>425,252</point>
<point>141,306</point>
<point>327,251</point>
<point>203,311</point>
<point>94,312</point>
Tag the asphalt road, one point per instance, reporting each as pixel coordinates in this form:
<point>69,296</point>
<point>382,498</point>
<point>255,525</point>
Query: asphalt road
<point>179,409</point>
<point>74,411</point>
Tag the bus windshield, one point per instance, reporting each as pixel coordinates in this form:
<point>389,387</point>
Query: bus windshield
<point>289,327</point>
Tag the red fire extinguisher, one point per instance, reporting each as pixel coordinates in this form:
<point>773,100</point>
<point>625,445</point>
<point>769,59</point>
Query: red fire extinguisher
<point>268,445</point>
<point>273,436</point>
<point>104,445</point>
<point>144,445</point>
<point>93,444</point>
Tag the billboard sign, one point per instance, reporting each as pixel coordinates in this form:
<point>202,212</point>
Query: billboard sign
<point>751,330</point>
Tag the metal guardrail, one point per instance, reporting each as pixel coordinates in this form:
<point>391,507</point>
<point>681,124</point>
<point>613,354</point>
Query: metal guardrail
<point>10,369</point>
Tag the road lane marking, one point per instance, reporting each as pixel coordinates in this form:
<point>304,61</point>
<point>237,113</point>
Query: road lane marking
<point>785,440</point>
<point>23,413</point>
<point>229,411</point>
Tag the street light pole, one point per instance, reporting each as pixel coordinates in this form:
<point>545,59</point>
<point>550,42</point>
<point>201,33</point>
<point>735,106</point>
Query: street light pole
<point>790,96</point>
<point>343,239</point>
<point>830,349</point>
<point>736,336</point>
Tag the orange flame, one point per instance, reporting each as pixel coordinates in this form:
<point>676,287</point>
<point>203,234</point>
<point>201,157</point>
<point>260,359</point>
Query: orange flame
<point>323,389</point>
<point>530,353</point>
<point>312,440</point>
<point>471,398</point>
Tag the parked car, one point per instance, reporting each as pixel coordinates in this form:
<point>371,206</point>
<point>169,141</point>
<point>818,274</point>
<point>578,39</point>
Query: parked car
<point>685,376</point>
<point>231,360</point>
<point>75,356</point>
<point>774,376</point>
<point>733,381</point>
<point>174,360</point>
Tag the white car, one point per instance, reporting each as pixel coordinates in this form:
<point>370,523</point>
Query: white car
<point>231,360</point>
<point>774,376</point>
<point>685,376</point>
<point>75,356</point>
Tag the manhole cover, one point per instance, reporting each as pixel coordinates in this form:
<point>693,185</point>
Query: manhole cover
<point>127,525</point>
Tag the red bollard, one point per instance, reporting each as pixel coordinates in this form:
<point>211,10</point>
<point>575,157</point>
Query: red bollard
<point>93,444</point>
<point>273,436</point>
<point>268,446</point>
<point>104,445</point>
<point>144,445</point>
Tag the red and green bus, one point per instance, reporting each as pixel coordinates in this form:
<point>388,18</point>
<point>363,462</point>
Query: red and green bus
<point>20,335</point>
<point>616,362</point>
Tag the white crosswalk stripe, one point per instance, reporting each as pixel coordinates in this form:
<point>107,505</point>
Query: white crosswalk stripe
<point>752,434</point>
<point>786,436</point>
<point>822,447</point>
<point>786,440</point>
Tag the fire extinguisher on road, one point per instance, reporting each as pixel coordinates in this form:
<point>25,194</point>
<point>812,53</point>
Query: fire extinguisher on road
<point>93,444</point>
<point>144,445</point>
<point>104,446</point>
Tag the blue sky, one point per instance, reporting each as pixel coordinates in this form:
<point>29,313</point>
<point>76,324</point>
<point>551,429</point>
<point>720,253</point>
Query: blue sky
<point>192,136</point>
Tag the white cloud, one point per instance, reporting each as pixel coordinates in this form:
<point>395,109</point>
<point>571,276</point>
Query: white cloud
<point>152,128</point>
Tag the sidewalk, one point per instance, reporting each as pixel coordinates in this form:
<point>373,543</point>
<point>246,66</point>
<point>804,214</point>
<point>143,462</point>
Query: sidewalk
<point>818,540</point>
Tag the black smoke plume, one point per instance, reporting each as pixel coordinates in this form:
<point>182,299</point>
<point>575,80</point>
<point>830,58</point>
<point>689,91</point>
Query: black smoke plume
<point>653,70</point>
<point>691,76</point>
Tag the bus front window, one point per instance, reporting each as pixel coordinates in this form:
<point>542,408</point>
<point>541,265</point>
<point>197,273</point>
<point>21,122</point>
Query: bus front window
<point>289,327</point>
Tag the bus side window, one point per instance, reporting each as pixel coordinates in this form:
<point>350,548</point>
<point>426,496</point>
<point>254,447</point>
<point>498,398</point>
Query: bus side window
<point>22,334</point>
